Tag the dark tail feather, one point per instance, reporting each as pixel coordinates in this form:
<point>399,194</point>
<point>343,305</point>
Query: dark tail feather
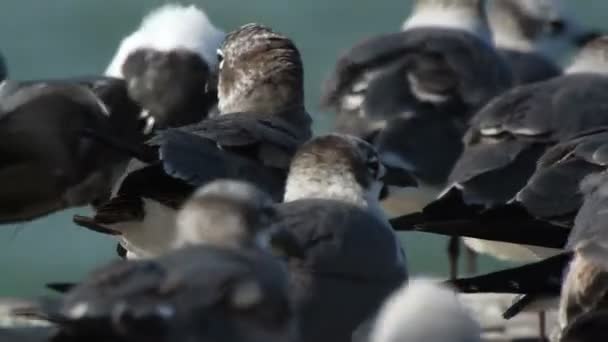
<point>519,305</point>
<point>91,224</point>
<point>535,233</point>
<point>449,207</point>
<point>509,223</point>
<point>61,287</point>
<point>145,153</point>
<point>543,277</point>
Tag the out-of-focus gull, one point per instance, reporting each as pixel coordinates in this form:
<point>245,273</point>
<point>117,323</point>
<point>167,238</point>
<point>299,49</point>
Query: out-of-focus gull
<point>529,33</point>
<point>413,91</point>
<point>262,123</point>
<point>49,160</point>
<point>424,311</point>
<point>546,27</point>
<point>221,283</point>
<point>195,293</point>
<point>170,66</point>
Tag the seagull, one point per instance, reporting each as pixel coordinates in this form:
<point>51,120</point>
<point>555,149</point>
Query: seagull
<point>424,311</point>
<point>541,214</point>
<point>542,26</point>
<point>527,34</point>
<point>169,64</point>
<point>50,161</point>
<point>194,293</point>
<point>219,282</point>
<point>351,257</point>
<point>412,91</point>
<point>262,123</point>
<point>510,134</point>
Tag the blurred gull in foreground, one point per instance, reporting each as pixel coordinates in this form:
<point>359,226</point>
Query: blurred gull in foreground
<point>423,311</point>
<point>223,285</point>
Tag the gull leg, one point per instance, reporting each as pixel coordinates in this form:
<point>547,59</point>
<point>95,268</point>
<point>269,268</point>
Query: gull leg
<point>453,255</point>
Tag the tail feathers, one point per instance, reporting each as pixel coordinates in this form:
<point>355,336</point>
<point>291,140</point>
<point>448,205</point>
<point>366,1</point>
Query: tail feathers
<point>509,223</point>
<point>424,310</point>
<point>90,224</point>
<point>116,210</point>
<point>120,209</point>
<point>543,277</point>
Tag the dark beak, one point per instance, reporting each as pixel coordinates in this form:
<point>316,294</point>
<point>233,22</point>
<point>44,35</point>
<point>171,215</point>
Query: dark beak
<point>586,37</point>
<point>399,177</point>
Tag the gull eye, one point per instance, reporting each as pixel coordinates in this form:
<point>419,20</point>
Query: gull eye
<point>220,58</point>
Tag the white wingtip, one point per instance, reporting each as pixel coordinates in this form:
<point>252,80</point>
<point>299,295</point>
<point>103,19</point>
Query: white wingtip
<point>169,27</point>
<point>424,311</point>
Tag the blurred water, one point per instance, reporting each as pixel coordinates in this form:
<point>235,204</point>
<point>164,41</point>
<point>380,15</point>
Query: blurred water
<point>58,38</point>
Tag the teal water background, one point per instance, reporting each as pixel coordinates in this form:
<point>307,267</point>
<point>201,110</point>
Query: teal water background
<point>59,38</point>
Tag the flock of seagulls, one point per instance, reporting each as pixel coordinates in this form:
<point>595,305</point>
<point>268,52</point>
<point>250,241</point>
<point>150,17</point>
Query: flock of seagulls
<point>234,222</point>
